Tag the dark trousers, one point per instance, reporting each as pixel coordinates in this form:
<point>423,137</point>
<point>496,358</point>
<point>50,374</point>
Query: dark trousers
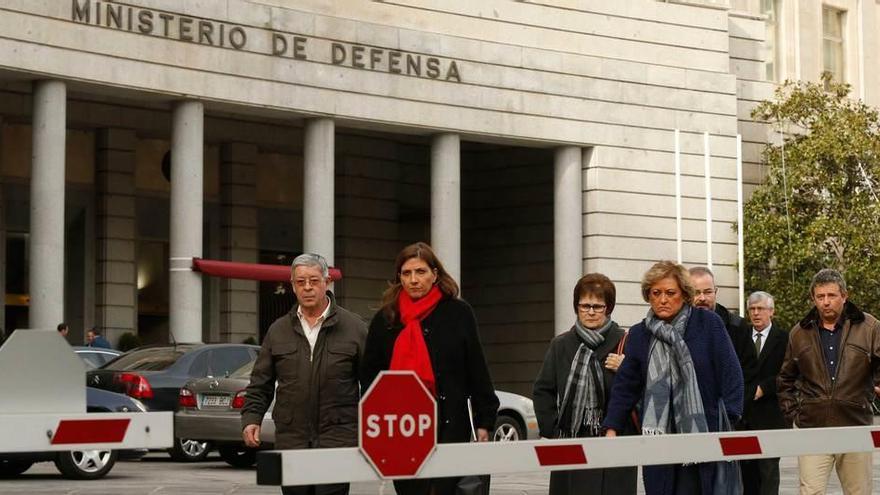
<point>334,489</point>
<point>687,480</point>
<point>760,476</point>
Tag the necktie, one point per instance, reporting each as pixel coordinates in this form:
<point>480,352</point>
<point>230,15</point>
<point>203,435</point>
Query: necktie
<point>758,336</point>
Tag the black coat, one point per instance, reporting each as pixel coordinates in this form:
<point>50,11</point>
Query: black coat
<point>460,369</point>
<point>764,413</point>
<point>548,391</point>
<point>739,332</point>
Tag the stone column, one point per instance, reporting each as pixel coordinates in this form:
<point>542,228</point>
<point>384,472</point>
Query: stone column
<point>568,234</point>
<point>116,225</point>
<point>2,244</point>
<point>318,188</point>
<point>446,201</point>
<point>187,205</point>
<point>239,309</point>
<point>47,205</point>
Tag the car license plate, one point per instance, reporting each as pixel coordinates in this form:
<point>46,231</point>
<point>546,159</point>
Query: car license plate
<point>215,401</point>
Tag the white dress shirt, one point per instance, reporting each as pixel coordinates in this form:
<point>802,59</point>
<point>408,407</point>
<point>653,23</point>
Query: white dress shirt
<point>312,331</point>
<point>764,334</point>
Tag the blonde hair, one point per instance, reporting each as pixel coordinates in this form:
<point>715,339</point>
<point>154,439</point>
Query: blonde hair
<point>668,269</point>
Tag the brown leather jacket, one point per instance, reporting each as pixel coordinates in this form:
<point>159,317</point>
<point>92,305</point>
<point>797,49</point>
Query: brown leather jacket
<point>316,399</point>
<point>806,394</point>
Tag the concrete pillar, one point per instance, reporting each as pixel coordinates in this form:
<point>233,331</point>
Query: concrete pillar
<point>116,226</point>
<point>239,311</point>
<point>318,188</point>
<point>568,234</point>
<point>47,205</point>
<point>3,328</point>
<point>187,205</point>
<point>446,201</point>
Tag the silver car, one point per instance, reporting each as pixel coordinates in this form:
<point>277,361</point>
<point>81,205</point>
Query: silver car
<point>209,409</point>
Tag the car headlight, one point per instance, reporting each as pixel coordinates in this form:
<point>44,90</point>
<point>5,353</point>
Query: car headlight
<point>529,406</point>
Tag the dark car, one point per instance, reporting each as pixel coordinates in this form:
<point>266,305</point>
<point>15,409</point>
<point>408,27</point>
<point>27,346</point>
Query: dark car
<point>95,357</point>
<point>154,375</point>
<point>80,464</point>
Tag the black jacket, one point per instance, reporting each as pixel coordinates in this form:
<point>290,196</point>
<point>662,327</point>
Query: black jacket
<point>764,413</point>
<point>460,370</point>
<point>550,384</point>
<point>317,399</point>
<point>740,336</point>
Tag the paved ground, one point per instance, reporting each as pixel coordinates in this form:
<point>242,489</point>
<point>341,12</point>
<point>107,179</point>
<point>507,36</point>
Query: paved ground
<point>157,475</point>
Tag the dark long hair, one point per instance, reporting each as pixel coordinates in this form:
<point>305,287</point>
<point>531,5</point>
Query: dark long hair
<point>423,251</point>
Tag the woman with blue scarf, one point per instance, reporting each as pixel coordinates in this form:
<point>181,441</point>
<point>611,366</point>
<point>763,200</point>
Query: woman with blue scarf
<point>680,367</point>
<point>573,387</point>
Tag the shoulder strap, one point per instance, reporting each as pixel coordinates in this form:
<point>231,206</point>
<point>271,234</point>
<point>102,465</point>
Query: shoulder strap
<point>622,342</point>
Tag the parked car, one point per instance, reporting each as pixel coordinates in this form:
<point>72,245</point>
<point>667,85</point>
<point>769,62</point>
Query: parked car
<point>154,375</point>
<point>95,357</point>
<point>209,409</point>
<point>80,464</point>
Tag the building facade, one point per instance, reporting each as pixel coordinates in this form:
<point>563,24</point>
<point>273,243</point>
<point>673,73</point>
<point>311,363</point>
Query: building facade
<point>529,141</point>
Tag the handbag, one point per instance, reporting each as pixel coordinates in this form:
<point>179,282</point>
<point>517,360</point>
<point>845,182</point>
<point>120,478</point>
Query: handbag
<point>473,484</point>
<point>728,476</point>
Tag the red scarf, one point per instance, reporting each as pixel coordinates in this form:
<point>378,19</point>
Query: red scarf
<point>410,351</point>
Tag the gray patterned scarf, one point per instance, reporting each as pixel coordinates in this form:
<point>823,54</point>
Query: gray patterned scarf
<point>672,397</point>
<point>585,388</point>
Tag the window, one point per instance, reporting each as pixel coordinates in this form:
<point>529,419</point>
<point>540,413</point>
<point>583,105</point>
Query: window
<point>770,8</point>
<point>226,360</point>
<point>833,42</point>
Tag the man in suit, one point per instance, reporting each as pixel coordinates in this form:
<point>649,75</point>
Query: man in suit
<point>761,411</point>
<point>706,295</point>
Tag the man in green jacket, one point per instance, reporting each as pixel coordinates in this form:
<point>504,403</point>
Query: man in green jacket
<point>830,372</point>
<point>313,354</point>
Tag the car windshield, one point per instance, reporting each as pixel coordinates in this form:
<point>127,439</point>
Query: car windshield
<point>244,371</point>
<point>146,359</point>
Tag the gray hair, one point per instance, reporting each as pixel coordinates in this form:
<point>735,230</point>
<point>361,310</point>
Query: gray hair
<point>700,271</point>
<point>311,259</point>
<point>759,296</point>
<point>828,276</point>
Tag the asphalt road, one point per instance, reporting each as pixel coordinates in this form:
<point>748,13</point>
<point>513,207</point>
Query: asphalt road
<point>158,475</point>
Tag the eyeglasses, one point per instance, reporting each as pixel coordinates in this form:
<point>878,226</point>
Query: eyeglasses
<point>586,308</point>
<point>706,292</point>
<point>307,282</point>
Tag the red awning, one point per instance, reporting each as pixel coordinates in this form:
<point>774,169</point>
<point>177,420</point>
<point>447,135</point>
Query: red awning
<point>250,271</point>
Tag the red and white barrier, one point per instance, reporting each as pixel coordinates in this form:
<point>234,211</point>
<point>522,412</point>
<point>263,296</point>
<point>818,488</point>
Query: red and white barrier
<point>317,466</point>
<point>59,432</point>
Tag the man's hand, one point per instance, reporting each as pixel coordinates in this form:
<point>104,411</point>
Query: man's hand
<point>758,393</point>
<point>611,433</point>
<point>482,435</point>
<point>251,435</point>
<point>877,390</point>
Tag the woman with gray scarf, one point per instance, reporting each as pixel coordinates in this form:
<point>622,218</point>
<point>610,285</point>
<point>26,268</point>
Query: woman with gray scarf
<point>680,364</point>
<point>573,387</point>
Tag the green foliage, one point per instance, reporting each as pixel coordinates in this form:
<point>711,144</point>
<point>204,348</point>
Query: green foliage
<point>128,341</point>
<point>250,340</point>
<point>821,210</point>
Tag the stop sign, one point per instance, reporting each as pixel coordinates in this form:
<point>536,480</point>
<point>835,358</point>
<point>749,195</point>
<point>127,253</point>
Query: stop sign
<point>398,424</point>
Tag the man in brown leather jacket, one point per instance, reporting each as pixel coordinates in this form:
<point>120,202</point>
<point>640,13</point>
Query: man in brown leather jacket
<point>830,373</point>
<point>313,354</point>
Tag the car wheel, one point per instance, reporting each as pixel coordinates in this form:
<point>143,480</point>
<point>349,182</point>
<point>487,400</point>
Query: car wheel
<point>240,457</point>
<point>187,450</point>
<point>86,464</point>
<point>507,429</point>
<point>10,468</point>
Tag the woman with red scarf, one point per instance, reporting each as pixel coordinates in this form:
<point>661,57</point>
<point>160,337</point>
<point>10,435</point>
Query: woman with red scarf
<point>423,326</point>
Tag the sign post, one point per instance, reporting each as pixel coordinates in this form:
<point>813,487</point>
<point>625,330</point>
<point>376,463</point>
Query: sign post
<point>398,424</point>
